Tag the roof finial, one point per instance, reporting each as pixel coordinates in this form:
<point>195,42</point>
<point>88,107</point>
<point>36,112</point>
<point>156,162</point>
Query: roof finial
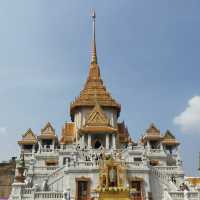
<point>94,52</point>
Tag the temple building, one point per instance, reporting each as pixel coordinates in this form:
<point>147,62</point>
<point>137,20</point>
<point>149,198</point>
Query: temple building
<point>96,159</point>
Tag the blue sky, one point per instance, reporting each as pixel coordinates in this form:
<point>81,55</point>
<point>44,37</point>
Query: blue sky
<point>148,52</point>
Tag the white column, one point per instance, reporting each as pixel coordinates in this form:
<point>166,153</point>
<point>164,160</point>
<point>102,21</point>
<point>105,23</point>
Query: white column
<point>148,145</point>
<point>33,149</point>
<point>161,146</point>
<point>83,140</point>
<point>113,141</point>
<point>107,141</point>
<point>89,141</point>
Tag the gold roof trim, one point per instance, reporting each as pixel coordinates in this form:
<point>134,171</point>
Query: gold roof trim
<point>28,138</point>
<point>97,129</point>
<point>195,181</point>
<point>97,117</point>
<point>48,132</point>
<point>169,139</point>
<point>152,133</point>
<point>123,133</point>
<point>68,133</point>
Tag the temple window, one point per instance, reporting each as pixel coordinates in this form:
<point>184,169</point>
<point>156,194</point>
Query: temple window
<point>136,190</point>
<point>138,159</point>
<point>154,162</point>
<point>46,143</point>
<point>51,162</point>
<point>27,148</point>
<point>155,145</point>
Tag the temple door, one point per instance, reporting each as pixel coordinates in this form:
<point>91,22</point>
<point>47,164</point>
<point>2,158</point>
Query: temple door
<point>137,195</point>
<point>82,190</point>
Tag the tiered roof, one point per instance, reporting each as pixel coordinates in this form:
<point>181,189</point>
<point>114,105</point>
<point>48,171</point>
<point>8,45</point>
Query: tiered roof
<point>94,89</point>
<point>123,133</point>
<point>68,133</point>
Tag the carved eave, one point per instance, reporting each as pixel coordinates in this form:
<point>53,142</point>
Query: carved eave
<point>97,129</point>
<point>169,139</point>
<point>47,136</point>
<point>28,138</point>
<point>68,133</point>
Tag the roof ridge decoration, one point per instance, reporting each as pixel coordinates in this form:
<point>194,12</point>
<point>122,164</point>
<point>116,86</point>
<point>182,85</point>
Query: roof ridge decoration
<point>97,117</point>
<point>94,85</point>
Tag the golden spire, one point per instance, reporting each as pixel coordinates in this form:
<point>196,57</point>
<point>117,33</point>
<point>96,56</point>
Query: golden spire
<point>94,91</point>
<point>94,52</point>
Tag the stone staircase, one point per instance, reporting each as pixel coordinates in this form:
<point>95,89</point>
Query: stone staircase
<point>55,178</point>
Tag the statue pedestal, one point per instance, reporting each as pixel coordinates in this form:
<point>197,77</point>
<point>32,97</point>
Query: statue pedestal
<point>113,193</point>
<point>109,195</point>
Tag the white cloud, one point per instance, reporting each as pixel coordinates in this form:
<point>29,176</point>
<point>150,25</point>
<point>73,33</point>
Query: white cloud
<point>189,119</point>
<point>3,130</point>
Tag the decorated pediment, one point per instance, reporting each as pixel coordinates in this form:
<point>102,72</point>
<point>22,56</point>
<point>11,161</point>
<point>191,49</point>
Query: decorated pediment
<point>153,130</point>
<point>28,138</point>
<point>48,129</point>
<point>97,117</point>
<point>169,139</point>
<point>169,135</point>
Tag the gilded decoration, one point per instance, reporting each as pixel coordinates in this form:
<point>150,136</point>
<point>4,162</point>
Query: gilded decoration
<point>194,181</point>
<point>28,138</point>
<point>112,179</point>
<point>94,88</point>
<point>68,133</point>
<point>97,117</point>
<point>48,132</point>
<point>123,133</point>
<point>97,122</point>
<point>152,133</point>
<point>169,139</point>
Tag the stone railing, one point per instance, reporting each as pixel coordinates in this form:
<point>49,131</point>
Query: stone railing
<point>169,169</point>
<point>49,195</point>
<point>136,165</point>
<point>45,170</point>
<point>157,151</point>
<point>164,178</point>
<point>84,164</point>
<point>180,195</point>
